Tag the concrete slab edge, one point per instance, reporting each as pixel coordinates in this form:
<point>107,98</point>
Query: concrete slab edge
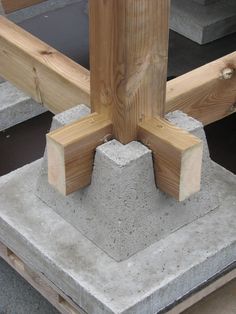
<point>16,107</point>
<point>171,288</point>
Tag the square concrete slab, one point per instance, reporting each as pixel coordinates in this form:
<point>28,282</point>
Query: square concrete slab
<point>146,282</point>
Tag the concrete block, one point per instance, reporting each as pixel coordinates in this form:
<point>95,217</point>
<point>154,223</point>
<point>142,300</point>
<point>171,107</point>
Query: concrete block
<point>148,281</point>
<point>16,107</point>
<point>122,211</point>
<point>37,9</point>
<point>206,2</point>
<point>2,80</point>
<point>1,9</point>
<point>203,24</point>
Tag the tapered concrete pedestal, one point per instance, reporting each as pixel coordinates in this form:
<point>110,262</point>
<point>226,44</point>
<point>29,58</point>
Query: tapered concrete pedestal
<point>53,240</point>
<point>122,211</point>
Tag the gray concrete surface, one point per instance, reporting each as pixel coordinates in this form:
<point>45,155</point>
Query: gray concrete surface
<point>1,9</point>
<point>122,211</point>
<point>37,9</point>
<point>206,2</point>
<point>18,297</point>
<point>16,107</point>
<point>145,282</point>
<point>203,24</point>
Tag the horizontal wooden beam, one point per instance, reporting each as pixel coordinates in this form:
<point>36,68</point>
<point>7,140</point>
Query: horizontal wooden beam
<point>71,152</point>
<point>177,157</point>
<point>48,76</point>
<point>207,93</point>
<point>14,5</point>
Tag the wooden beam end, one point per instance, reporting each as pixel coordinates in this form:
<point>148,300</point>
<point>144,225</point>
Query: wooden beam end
<point>71,152</point>
<point>191,168</point>
<point>177,157</point>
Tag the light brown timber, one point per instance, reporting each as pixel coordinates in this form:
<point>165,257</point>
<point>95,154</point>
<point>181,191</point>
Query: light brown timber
<point>38,281</point>
<point>45,74</point>
<point>201,93</point>
<point>177,157</point>
<point>14,5</point>
<point>71,152</point>
<point>128,61</point>
<point>205,93</point>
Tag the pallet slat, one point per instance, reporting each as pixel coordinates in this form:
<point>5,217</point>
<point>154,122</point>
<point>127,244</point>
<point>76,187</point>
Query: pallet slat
<point>38,281</point>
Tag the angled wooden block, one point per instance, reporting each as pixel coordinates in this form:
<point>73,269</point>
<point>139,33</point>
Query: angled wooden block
<point>177,157</point>
<point>71,152</point>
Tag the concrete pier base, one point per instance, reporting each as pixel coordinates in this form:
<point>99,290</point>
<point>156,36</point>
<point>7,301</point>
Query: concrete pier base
<point>48,232</point>
<point>144,283</point>
<point>122,211</point>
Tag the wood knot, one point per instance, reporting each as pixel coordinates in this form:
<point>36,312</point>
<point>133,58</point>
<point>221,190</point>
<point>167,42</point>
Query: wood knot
<point>46,52</point>
<point>227,73</point>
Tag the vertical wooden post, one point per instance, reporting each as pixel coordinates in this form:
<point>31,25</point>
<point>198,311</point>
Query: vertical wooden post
<point>128,61</point>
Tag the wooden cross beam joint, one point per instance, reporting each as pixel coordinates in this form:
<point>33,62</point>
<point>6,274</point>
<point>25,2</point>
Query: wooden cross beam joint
<point>128,64</point>
<point>177,155</point>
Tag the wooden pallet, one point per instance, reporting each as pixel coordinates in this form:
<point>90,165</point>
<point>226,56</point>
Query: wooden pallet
<point>38,281</point>
<point>66,306</point>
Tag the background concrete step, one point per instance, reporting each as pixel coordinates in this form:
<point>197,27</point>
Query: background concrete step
<point>203,24</point>
<point>206,2</point>
<point>16,107</point>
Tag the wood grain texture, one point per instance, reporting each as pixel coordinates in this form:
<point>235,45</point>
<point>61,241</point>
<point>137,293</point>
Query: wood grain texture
<point>38,281</point>
<point>205,93</point>
<point>128,61</point>
<point>14,5</point>
<point>45,74</point>
<point>71,152</point>
<point>177,157</point>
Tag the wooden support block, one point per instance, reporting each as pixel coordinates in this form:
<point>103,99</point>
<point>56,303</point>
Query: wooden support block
<point>71,152</point>
<point>128,61</point>
<point>177,157</point>
<point>14,5</point>
<point>45,74</point>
